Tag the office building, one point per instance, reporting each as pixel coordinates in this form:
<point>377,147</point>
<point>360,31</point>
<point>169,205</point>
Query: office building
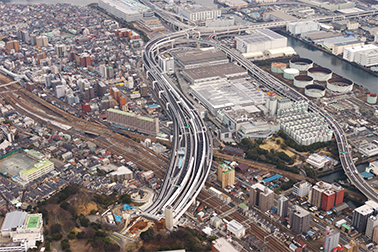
<point>299,220</point>
<point>129,10</point>
<point>297,28</point>
<point>221,245</point>
<point>260,41</point>
<point>38,170</point>
<point>351,247</point>
<point>339,191</point>
<point>24,230</point>
<point>361,216</point>
<point>235,228</point>
<point>372,222</point>
<point>328,200</point>
<point>169,218</point>
<point>261,196</point>
<point>132,121</point>
<point>200,13</point>
<point>331,239</point>
<point>226,175</point>
<point>166,63</point>
<point>283,206</point>
<point>302,188</point>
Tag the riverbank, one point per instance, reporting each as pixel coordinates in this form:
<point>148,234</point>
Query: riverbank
<point>282,32</point>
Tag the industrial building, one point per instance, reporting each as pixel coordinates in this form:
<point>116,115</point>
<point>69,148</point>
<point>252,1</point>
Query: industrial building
<point>317,161</point>
<point>299,220</point>
<point>128,10</point>
<point>37,170</point>
<point>226,175</point>
<point>261,196</point>
<point>132,121</point>
<point>353,54</point>
<point>122,173</point>
<point>200,58</point>
<point>199,13</point>
<point>23,231</point>
<point>305,128</point>
<point>297,28</point>
<point>166,63</point>
<point>209,74</point>
<point>260,41</point>
<point>235,228</point>
<point>302,188</point>
<point>225,95</point>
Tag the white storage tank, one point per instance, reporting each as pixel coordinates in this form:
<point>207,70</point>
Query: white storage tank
<point>340,85</point>
<point>372,98</point>
<point>278,67</point>
<point>301,81</point>
<point>314,91</point>
<point>320,73</point>
<point>290,73</point>
<point>302,64</point>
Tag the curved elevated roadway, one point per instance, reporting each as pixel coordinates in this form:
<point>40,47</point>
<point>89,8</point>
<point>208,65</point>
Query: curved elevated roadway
<point>192,149</point>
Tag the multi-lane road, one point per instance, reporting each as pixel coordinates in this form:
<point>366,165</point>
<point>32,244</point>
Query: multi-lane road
<point>192,149</point>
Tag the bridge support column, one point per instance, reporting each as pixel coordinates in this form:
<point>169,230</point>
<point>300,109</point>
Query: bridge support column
<point>161,91</point>
<point>153,84</point>
<point>147,72</point>
<point>166,105</point>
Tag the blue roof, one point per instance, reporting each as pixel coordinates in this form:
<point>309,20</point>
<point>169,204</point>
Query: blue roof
<point>153,106</point>
<point>366,174</point>
<point>118,218</point>
<point>270,179</point>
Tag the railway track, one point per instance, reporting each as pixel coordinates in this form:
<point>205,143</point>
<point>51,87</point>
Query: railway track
<point>258,165</point>
<point>253,229</point>
<point>118,144</point>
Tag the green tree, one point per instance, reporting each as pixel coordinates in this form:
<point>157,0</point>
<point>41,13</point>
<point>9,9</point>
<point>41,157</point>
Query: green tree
<point>71,235</point>
<point>126,199</point>
<point>65,245</point>
<point>147,235</point>
<point>57,236</point>
<point>65,205</point>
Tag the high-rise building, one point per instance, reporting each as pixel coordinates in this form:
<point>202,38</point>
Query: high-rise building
<point>60,49</point>
<point>351,247</point>
<point>331,239</point>
<point>261,196</point>
<point>226,175</point>
<point>33,39</point>
<point>302,188</point>
<point>361,216</point>
<point>283,206</point>
<point>315,197</point>
<point>339,190</point>
<point>328,200</point>
<point>42,41</point>
<point>169,217</point>
<point>370,225</point>
<point>110,72</point>
<point>375,235</point>
<point>14,44</point>
<point>299,220</point>
<point>102,70</point>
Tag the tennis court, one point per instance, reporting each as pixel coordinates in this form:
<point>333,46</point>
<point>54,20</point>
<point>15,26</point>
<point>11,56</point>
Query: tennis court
<point>32,221</point>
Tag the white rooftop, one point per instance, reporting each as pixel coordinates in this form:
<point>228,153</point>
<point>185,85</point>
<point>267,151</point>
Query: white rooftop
<point>236,226</point>
<point>222,244</point>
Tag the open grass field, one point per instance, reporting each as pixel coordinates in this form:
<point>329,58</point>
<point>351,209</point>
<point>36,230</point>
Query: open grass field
<point>272,144</point>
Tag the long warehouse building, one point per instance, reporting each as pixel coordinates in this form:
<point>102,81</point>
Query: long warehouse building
<point>133,122</point>
<point>128,10</point>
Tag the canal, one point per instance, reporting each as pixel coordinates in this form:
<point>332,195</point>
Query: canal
<point>337,65</point>
<point>341,174</point>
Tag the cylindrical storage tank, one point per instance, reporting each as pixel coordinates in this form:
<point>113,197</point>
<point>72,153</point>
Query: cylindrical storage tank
<point>372,98</point>
<point>302,64</point>
<point>290,73</point>
<point>320,73</point>
<point>301,81</point>
<point>340,85</point>
<point>278,67</point>
<point>314,91</point>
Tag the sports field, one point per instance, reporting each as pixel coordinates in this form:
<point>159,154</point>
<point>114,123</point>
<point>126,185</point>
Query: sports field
<point>32,221</point>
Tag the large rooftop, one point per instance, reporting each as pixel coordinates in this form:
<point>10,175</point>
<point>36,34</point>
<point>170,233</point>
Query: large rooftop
<point>41,164</point>
<point>13,220</point>
<point>260,36</point>
<point>130,114</point>
<point>215,71</point>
